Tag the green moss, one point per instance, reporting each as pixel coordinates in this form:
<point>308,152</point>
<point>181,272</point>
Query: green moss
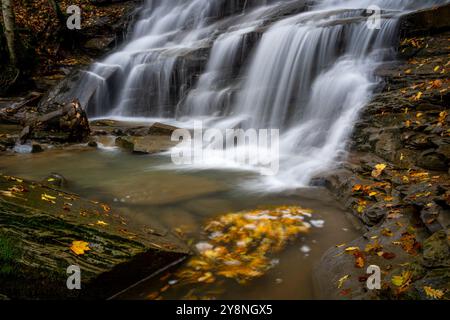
<point>8,251</point>
<point>9,255</point>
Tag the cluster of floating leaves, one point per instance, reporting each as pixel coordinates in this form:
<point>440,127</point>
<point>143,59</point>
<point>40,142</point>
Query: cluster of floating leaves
<point>240,245</point>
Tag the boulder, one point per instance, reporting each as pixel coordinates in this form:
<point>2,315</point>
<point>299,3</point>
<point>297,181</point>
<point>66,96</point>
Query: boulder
<point>145,144</point>
<point>432,160</point>
<point>161,129</point>
<point>36,148</point>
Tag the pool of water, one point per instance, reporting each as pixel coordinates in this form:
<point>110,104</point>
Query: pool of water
<point>186,200</point>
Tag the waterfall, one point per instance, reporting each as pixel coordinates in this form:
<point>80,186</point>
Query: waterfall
<point>208,97</point>
<point>304,67</point>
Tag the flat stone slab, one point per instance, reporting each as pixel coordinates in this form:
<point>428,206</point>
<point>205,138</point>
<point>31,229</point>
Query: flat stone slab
<point>135,137</point>
<point>42,228</point>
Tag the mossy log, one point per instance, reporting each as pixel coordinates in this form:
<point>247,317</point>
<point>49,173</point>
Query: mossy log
<point>38,225</point>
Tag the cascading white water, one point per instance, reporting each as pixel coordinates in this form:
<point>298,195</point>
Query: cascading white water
<point>309,75</point>
<point>208,97</point>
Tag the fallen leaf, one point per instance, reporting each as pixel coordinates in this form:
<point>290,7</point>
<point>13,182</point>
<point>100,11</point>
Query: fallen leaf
<point>433,293</point>
<point>48,198</point>
<point>373,247</point>
<point>387,233</point>
<point>101,223</point>
<point>379,168</point>
<point>402,280</point>
<point>388,255</point>
<point>359,260</point>
<point>417,96</point>
<point>408,243</point>
<point>79,247</point>
<point>342,280</point>
<point>436,84</point>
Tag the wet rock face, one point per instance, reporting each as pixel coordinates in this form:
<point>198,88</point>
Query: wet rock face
<point>407,123</point>
<point>436,251</point>
<point>405,129</point>
<point>426,21</point>
<point>68,124</point>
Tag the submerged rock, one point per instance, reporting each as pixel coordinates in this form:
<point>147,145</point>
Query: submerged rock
<point>55,179</point>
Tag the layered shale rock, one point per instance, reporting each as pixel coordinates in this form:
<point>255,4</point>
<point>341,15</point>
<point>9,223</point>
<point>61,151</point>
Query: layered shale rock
<point>44,230</point>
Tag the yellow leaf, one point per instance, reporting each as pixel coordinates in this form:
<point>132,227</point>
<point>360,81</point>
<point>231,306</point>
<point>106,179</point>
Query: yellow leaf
<point>379,168</point>
<point>48,198</point>
<point>437,68</point>
<point>433,293</point>
<point>342,280</point>
<point>418,96</point>
<point>351,249</point>
<point>79,247</point>
<point>373,247</point>
<point>106,208</point>
<point>207,277</point>
<point>102,223</point>
<point>402,280</point>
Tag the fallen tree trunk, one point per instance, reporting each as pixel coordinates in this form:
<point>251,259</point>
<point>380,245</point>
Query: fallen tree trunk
<point>66,124</point>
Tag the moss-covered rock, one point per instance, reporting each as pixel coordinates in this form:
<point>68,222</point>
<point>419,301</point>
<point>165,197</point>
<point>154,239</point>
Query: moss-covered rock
<point>39,226</point>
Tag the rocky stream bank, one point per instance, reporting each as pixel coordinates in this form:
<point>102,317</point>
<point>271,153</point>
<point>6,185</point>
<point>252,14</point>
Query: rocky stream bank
<point>396,177</point>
